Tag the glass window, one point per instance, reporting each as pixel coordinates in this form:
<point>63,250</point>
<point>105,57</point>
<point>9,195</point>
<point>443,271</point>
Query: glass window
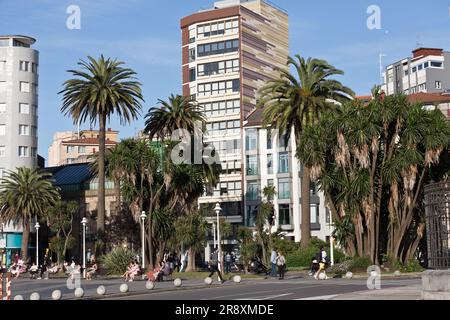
<point>284,162</point>
<point>270,183</point>
<point>284,214</point>
<point>23,151</point>
<point>81,149</point>
<point>270,164</point>
<point>314,213</point>
<point>192,74</point>
<point>24,130</point>
<point>70,149</point>
<point>24,66</point>
<point>284,189</point>
<point>251,140</point>
<point>252,190</point>
<point>24,108</point>
<point>24,86</point>
<point>436,64</point>
<point>33,153</point>
<point>438,85</point>
<point>269,139</point>
<point>252,165</point>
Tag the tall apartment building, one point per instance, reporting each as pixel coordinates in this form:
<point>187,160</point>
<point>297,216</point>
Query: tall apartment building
<point>427,71</point>
<point>18,115</point>
<point>69,147</point>
<point>228,53</point>
<point>270,162</point>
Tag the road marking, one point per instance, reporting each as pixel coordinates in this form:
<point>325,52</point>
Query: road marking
<point>266,297</point>
<point>320,297</point>
<point>256,292</point>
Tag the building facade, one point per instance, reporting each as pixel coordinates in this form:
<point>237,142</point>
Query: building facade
<point>228,53</point>
<point>427,71</point>
<point>18,117</point>
<point>70,147</point>
<point>272,162</point>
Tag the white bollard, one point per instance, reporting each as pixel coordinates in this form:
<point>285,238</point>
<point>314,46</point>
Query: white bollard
<point>177,282</point>
<point>374,274</point>
<point>349,275</point>
<point>237,279</point>
<point>124,288</point>
<point>322,276</point>
<point>149,285</point>
<point>35,296</point>
<point>101,290</point>
<point>208,281</point>
<point>79,292</point>
<point>56,295</point>
<point>18,297</point>
<point>397,273</point>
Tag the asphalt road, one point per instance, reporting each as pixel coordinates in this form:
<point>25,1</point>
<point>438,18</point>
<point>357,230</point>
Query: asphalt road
<point>270,289</point>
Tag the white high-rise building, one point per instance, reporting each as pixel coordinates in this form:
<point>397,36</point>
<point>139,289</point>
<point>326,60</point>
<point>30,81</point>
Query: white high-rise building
<point>18,114</point>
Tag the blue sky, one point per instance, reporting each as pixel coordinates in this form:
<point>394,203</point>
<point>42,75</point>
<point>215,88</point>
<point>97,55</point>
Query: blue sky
<point>146,35</point>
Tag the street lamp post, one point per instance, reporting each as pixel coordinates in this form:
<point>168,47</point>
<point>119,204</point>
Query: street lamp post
<point>218,209</point>
<point>214,234</point>
<point>3,248</point>
<point>37,226</point>
<point>84,222</point>
<point>331,239</point>
<point>143,217</point>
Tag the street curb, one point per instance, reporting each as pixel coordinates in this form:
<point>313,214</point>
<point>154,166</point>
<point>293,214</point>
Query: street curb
<point>154,291</point>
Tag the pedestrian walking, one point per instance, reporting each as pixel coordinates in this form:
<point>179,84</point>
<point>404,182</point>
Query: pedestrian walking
<point>214,266</point>
<point>281,263</point>
<point>227,263</point>
<point>184,262</point>
<point>323,262</point>
<point>273,261</point>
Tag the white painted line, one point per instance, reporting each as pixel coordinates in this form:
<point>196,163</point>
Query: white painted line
<point>266,297</point>
<point>320,297</point>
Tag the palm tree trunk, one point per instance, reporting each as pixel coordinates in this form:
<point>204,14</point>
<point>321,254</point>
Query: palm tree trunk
<point>117,195</point>
<point>101,175</point>
<point>306,208</point>
<point>25,240</point>
<point>191,261</point>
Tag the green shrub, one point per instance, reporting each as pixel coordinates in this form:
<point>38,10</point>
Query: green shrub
<point>302,257</point>
<point>360,264</point>
<point>412,265</point>
<point>286,246</point>
<point>117,261</point>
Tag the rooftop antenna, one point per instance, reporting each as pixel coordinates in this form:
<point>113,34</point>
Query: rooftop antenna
<point>418,43</point>
<point>381,66</point>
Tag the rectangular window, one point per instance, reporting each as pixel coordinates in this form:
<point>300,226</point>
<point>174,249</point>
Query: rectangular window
<point>23,151</point>
<point>284,214</point>
<point>81,149</point>
<point>426,65</point>
<point>221,47</point>
<point>24,108</point>
<point>34,68</point>
<point>33,152</point>
<point>438,85</point>
<point>70,149</point>
<point>2,129</point>
<point>420,67</point>
<point>252,190</point>
<point>414,69</point>
<point>33,131</point>
<point>24,130</point>
<point>2,151</point>
<point>436,64</point>
<point>2,107</point>
<point>282,142</point>
<point>269,164</point>
<point>34,110</point>
<point>269,139</point>
<point>192,55</point>
<point>24,66</point>
<point>284,189</point>
<point>283,162</point>
<point>34,88</point>
<point>314,213</point>
<point>252,165</point>
<point>24,86</point>
<point>251,140</point>
<point>270,183</point>
<point>192,74</point>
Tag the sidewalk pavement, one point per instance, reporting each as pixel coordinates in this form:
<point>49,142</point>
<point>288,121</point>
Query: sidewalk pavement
<point>412,292</point>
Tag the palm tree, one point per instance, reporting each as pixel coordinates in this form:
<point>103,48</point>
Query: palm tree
<point>24,195</point>
<point>177,113</point>
<point>103,87</point>
<point>295,101</point>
